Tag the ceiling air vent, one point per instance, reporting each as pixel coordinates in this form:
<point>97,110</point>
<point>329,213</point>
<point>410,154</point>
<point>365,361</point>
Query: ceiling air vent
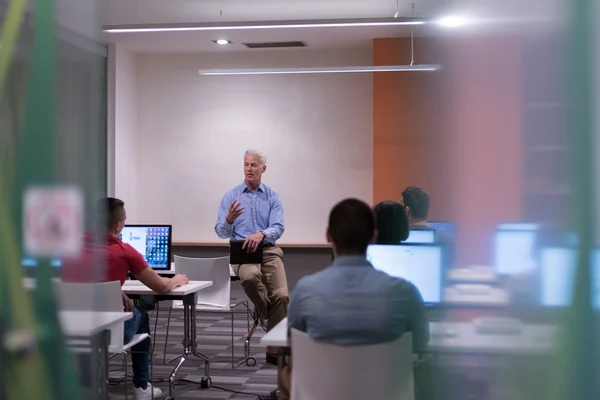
<point>274,45</point>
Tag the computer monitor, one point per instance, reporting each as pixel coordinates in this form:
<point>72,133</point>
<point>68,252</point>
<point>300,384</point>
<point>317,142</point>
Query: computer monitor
<point>514,248</point>
<point>557,276</point>
<point>153,242</point>
<point>419,264</point>
<point>420,236</point>
<point>443,226</point>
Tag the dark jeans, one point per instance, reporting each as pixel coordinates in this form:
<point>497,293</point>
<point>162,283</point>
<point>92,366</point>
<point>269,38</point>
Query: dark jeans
<point>140,353</point>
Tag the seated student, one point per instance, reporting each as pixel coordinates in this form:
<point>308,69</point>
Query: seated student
<point>350,303</point>
<point>416,201</point>
<point>392,222</point>
<point>105,259</point>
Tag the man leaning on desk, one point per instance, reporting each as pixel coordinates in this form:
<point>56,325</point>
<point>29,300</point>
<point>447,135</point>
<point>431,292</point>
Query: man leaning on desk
<point>252,212</point>
<point>105,259</point>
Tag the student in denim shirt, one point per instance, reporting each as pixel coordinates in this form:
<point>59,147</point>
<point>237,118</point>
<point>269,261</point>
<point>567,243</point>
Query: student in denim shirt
<point>351,303</point>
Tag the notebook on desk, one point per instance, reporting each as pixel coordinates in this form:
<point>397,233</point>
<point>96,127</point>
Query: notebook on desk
<point>237,255</point>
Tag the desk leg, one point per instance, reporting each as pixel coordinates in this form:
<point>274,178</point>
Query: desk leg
<point>206,381</point>
<point>99,346</point>
<point>189,345</point>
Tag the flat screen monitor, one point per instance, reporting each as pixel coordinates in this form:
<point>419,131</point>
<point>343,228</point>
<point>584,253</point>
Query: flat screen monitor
<point>443,226</point>
<point>557,276</point>
<point>558,273</point>
<point>514,248</point>
<point>419,264</point>
<point>420,236</point>
<point>153,242</point>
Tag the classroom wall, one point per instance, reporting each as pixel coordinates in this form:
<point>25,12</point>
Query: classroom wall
<point>484,96</point>
<point>126,142</point>
<point>409,137</point>
<point>192,131</point>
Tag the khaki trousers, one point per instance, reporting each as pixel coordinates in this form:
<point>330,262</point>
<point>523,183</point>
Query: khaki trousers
<point>266,286</point>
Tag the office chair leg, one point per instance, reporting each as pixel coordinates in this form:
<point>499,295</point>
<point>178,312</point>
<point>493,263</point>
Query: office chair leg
<point>167,336</point>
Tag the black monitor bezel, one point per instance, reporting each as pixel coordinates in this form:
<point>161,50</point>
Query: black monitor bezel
<point>169,248</point>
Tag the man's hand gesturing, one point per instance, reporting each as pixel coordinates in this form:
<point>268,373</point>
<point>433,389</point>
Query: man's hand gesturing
<point>235,210</point>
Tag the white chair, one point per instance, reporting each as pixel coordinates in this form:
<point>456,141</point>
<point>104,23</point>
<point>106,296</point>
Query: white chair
<point>214,299</point>
<point>105,296</point>
<point>323,371</point>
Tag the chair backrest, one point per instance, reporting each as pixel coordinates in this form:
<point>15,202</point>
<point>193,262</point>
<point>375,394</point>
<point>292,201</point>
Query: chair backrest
<point>208,269</point>
<point>326,371</point>
<point>98,296</point>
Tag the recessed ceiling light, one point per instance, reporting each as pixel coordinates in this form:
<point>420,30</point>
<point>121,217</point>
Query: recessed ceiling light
<point>453,21</point>
<point>222,41</point>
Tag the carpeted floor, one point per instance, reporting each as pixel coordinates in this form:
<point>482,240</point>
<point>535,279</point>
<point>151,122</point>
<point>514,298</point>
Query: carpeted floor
<point>214,340</point>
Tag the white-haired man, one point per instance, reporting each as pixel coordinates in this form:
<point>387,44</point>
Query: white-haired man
<point>252,212</point>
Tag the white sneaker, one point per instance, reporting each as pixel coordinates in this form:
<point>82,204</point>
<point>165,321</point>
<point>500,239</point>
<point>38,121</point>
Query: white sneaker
<point>146,394</point>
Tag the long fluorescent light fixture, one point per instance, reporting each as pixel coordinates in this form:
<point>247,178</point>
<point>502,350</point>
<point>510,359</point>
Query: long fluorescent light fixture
<point>318,70</point>
<point>319,23</point>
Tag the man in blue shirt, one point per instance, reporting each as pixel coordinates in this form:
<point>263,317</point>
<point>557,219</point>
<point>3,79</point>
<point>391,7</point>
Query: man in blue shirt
<point>350,302</point>
<point>252,212</point>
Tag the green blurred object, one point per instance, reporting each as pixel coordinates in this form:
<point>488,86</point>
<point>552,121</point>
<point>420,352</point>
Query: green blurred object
<point>35,361</point>
<point>577,367</point>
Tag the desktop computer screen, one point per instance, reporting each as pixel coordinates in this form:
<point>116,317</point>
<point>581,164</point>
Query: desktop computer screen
<point>153,242</point>
<point>557,276</point>
<point>423,236</point>
<point>419,264</point>
<point>514,248</point>
<point>443,226</point>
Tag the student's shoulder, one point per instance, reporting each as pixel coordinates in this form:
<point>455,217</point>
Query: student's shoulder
<point>402,286</point>
<point>312,281</point>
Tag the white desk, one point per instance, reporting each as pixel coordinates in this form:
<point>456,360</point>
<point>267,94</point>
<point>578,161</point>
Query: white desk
<point>461,295</point>
<point>473,275</point>
<point>462,338</point>
<point>277,336</point>
<point>449,337</point>
<point>137,288</point>
<point>189,295</point>
<point>89,323</point>
<point>94,327</point>
<point>172,271</point>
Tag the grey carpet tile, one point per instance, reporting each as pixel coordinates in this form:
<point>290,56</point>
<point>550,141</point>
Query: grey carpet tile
<point>214,341</point>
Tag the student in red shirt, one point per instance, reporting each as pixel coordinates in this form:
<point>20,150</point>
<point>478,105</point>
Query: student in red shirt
<point>106,259</point>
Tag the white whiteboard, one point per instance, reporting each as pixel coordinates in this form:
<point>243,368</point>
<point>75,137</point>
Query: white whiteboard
<point>316,131</point>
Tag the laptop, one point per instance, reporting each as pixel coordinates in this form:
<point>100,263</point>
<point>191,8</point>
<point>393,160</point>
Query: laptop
<point>237,255</point>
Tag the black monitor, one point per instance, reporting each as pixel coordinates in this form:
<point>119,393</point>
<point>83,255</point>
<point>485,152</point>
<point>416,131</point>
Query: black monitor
<point>153,242</point>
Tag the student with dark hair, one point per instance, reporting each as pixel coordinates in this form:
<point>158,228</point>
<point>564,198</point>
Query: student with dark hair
<point>352,296</point>
<point>416,201</point>
<point>105,259</point>
<point>351,303</point>
<point>393,225</point>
